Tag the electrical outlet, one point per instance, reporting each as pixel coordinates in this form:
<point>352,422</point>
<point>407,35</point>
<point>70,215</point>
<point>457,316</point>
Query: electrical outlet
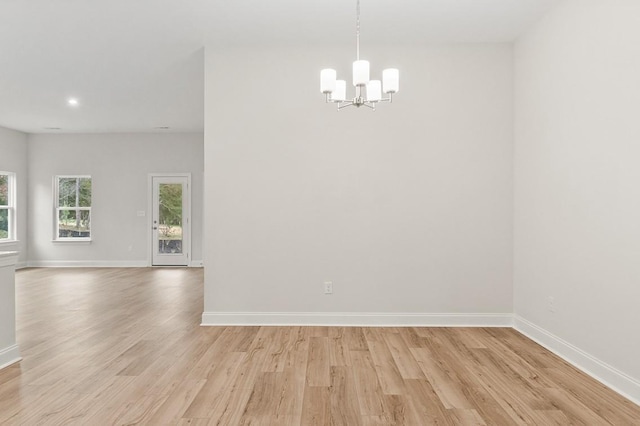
<point>328,287</point>
<point>551,304</point>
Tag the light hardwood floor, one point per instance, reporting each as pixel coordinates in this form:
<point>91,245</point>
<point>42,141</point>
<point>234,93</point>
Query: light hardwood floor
<point>124,346</point>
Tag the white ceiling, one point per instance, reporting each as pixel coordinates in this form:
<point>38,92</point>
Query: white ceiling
<point>136,65</point>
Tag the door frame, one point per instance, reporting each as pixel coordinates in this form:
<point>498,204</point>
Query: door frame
<point>150,243</point>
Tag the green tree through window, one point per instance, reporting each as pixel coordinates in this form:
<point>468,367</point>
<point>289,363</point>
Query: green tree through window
<point>73,207</point>
<point>7,207</point>
<point>170,218</point>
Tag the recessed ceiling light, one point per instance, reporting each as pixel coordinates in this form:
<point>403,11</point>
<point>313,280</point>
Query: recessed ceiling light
<point>73,102</point>
<point>162,128</point>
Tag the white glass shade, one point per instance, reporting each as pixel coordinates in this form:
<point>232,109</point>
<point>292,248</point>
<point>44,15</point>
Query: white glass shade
<point>374,91</point>
<point>340,94</point>
<point>360,73</point>
<point>390,80</point>
<point>327,80</point>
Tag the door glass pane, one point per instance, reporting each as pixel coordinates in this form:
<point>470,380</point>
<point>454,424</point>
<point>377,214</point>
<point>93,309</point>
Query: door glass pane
<point>170,218</point>
<point>74,223</point>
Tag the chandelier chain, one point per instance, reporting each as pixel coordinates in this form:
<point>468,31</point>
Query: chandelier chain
<point>358,30</point>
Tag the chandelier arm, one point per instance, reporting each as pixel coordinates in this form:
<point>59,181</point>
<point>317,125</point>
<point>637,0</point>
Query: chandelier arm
<point>347,104</point>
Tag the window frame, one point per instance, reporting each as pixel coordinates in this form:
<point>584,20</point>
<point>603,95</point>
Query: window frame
<point>57,209</point>
<point>11,208</point>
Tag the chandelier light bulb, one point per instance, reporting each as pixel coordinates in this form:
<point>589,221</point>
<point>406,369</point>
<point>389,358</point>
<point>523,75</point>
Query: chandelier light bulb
<point>391,80</point>
<point>327,80</point>
<point>340,94</point>
<point>374,91</point>
<point>360,73</point>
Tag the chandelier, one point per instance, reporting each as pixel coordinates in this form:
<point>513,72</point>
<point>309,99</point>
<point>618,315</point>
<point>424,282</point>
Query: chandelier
<point>367,92</point>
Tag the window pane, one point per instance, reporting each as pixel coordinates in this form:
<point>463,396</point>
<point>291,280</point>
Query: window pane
<point>67,192</point>
<point>85,192</point>
<point>74,224</point>
<point>170,218</point>
<point>4,224</point>
<point>4,190</point>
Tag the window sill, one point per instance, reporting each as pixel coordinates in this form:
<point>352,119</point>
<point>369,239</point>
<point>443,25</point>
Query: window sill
<point>4,243</point>
<point>73,241</point>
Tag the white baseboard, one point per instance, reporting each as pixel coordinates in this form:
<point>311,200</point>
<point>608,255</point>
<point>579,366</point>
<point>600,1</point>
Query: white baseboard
<point>196,264</point>
<point>9,356</point>
<point>609,376</point>
<point>22,265</point>
<point>355,319</point>
<point>88,264</point>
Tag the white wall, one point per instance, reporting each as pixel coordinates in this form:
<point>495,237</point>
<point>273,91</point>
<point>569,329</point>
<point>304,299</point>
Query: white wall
<point>406,210</point>
<point>577,204</point>
<point>13,158</point>
<point>119,165</point>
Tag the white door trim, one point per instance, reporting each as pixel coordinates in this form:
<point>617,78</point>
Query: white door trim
<point>150,242</point>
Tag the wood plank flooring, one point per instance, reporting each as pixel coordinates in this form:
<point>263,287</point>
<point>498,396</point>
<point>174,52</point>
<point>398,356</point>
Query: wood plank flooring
<point>124,346</point>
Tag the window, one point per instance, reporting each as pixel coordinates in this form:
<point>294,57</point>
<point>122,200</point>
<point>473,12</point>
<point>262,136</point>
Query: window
<point>7,206</point>
<point>73,208</point>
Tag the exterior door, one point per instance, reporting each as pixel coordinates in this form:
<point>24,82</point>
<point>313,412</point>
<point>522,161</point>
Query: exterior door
<point>171,221</point>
